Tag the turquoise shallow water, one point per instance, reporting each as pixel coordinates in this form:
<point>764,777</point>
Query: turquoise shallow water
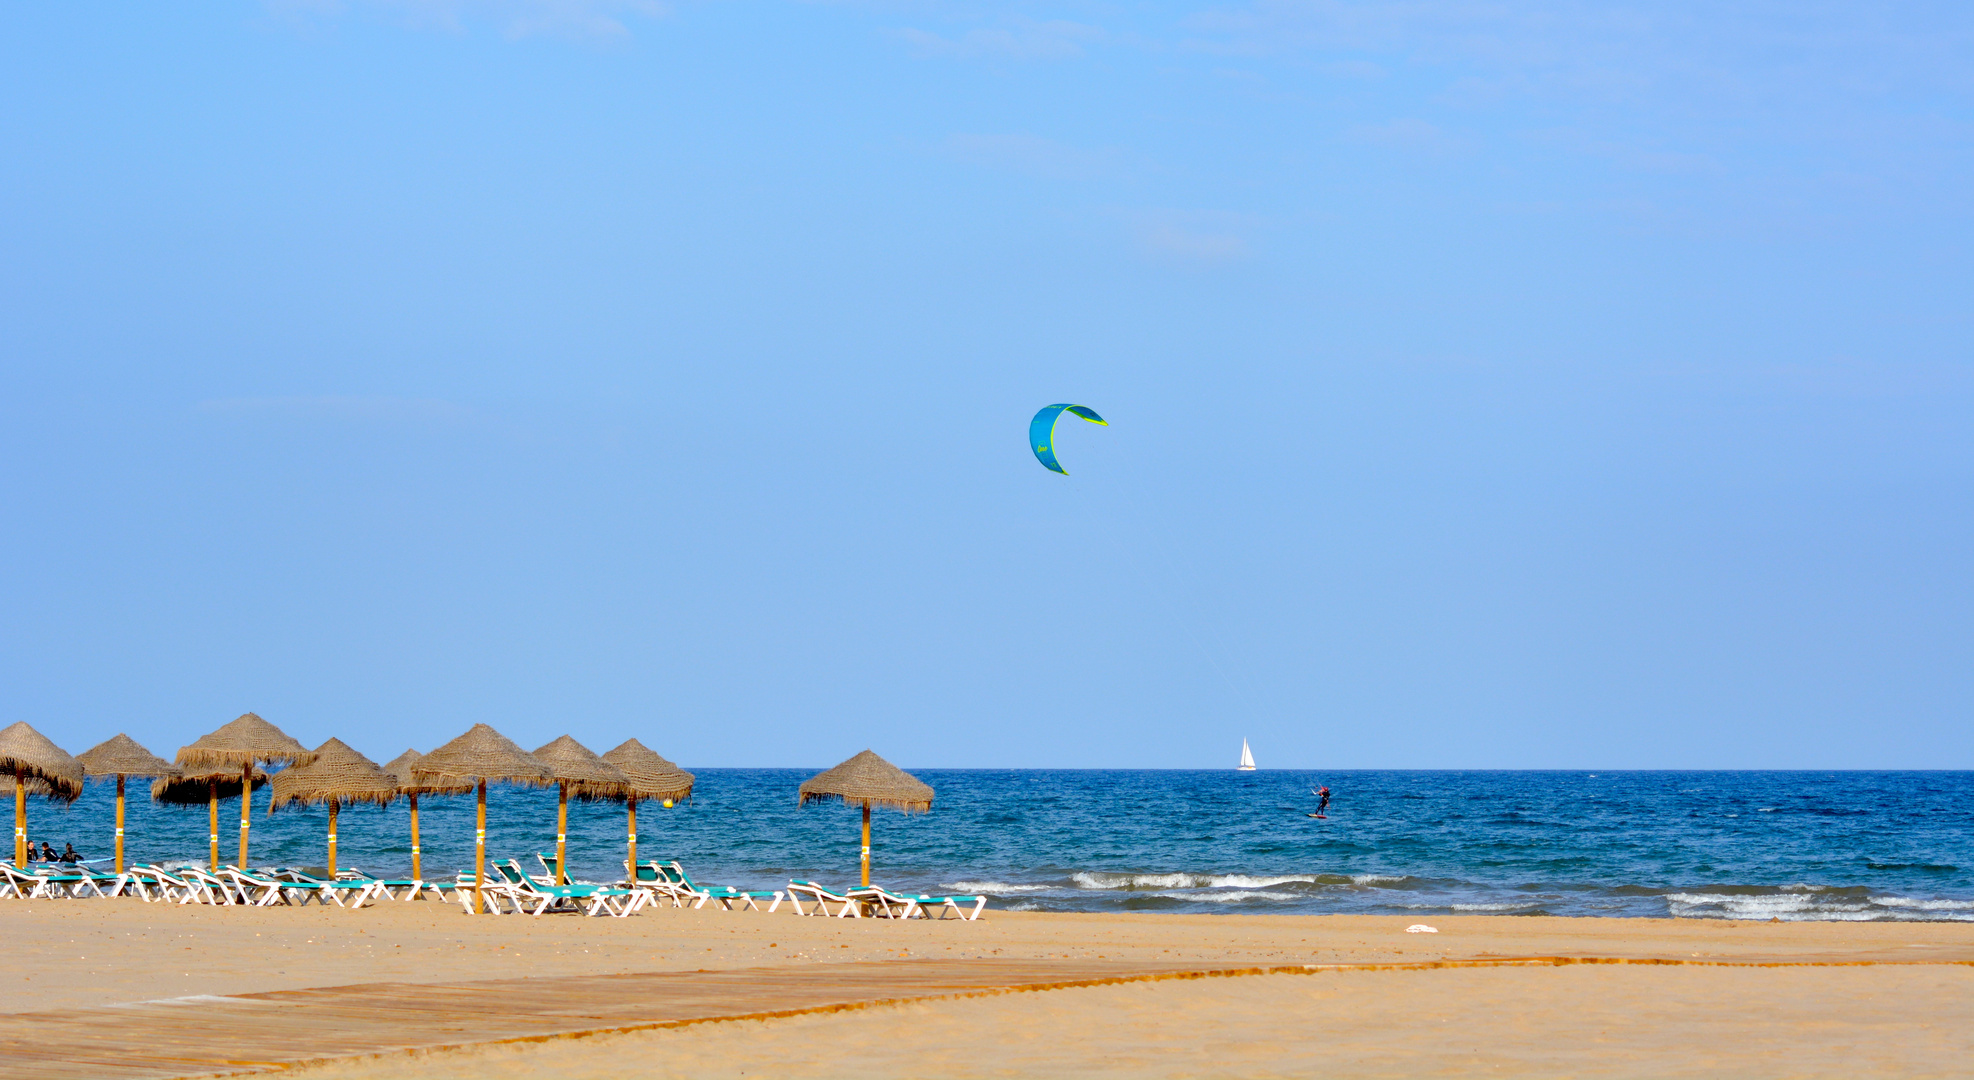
<point>1794,845</point>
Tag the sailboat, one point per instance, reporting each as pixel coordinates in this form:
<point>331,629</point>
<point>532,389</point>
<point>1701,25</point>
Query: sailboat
<point>1247,758</point>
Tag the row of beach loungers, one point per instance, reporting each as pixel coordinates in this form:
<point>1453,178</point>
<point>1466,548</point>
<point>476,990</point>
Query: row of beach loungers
<point>508,889</point>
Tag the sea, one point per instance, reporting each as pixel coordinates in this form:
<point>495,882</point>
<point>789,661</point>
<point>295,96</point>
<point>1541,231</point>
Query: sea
<point>1859,846</point>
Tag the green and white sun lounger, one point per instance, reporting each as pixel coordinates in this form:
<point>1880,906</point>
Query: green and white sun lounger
<point>495,889</point>
<point>663,883</point>
<point>145,881</point>
<point>728,896</point>
<point>850,906</point>
<point>343,892</point>
<point>958,905</point>
<point>208,888</point>
<point>882,903</point>
<point>258,891</point>
<point>589,899</point>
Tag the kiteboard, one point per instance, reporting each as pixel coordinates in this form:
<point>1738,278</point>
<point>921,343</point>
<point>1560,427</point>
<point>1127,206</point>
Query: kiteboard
<point>1325,817</point>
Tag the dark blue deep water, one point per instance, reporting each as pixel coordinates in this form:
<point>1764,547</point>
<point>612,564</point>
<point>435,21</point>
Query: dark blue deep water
<point>1794,845</point>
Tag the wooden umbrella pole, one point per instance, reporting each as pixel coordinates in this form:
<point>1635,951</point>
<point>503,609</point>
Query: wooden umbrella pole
<point>212,820</point>
<point>417,871</point>
<point>561,832</point>
<point>630,862</point>
<point>866,845</point>
<point>333,807</point>
<point>20,820</point>
<point>119,824</point>
<point>246,808</point>
<point>480,849</point>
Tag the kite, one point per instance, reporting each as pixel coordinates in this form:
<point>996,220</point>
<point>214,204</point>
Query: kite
<point>1042,432</point>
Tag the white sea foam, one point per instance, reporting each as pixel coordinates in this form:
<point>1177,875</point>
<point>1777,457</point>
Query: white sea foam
<point>992,888</point>
<point>1234,897</point>
<point>1101,880</point>
<point>1748,906</point>
<point>1916,904</point>
<point>1086,879</point>
<point>1243,881</point>
<point>1523,906</point>
<point>1807,903</point>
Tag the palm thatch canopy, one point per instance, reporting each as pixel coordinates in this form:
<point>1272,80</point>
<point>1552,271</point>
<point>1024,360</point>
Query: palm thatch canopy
<point>26,753</point>
<point>399,767</point>
<point>869,780</point>
<point>480,754</point>
<point>651,776</point>
<point>120,755</point>
<point>588,776</point>
<point>337,773</point>
<point>246,741</point>
<point>192,787</point>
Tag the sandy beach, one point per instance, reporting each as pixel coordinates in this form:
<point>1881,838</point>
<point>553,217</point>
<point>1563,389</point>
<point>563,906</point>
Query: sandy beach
<point>1699,997</point>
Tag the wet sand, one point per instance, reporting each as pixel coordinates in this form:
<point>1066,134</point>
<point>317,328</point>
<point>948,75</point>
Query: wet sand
<point>1910,1012</point>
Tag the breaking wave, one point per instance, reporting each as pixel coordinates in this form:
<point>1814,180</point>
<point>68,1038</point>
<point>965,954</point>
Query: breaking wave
<point>1805,903</point>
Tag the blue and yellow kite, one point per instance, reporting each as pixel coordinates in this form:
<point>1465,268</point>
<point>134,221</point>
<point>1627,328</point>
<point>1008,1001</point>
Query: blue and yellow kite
<point>1042,432</point>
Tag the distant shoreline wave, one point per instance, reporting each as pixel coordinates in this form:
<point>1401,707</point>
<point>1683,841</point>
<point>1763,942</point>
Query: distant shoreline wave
<point>1100,890</point>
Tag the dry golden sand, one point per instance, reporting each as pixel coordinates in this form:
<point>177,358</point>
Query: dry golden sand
<point>1909,1014</point>
<point>1572,1021</point>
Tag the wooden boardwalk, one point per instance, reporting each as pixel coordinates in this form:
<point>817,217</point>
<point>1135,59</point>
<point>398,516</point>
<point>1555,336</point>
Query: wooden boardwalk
<point>199,1036</point>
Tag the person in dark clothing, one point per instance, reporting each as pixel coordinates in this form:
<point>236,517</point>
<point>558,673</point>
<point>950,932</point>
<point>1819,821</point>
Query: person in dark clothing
<point>1323,800</point>
<point>47,852</point>
<point>70,855</point>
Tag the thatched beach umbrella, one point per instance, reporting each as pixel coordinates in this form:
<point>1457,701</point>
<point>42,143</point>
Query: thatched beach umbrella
<point>244,743</point>
<point>869,780</point>
<point>575,768</point>
<point>480,755</point>
<point>399,769</point>
<point>338,775</point>
<point>27,755</point>
<point>651,777</point>
<point>121,756</point>
<point>192,787</point>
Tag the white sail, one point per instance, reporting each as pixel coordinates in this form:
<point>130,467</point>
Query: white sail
<point>1247,758</point>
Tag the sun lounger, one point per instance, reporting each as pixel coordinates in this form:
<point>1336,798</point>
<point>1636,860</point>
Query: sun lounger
<point>495,889</point>
<point>823,898</point>
<point>661,882</point>
<point>547,875</point>
<point>17,883</point>
<point>434,890</point>
<point>682,892</point>
<point>341,891</point>
<point>728,896</point>
<point>958,905</point>
<point>387,888</point>
<point>881,903</point>
<point>208,888</point>
<point>175,889</point>
<point>259,890</point>
<point>589,899</point>
<point>102,882</point>
<point>53,883</point>
<point>142,882</point>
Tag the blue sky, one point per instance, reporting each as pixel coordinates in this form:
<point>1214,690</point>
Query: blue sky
<point>1517,384</point>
